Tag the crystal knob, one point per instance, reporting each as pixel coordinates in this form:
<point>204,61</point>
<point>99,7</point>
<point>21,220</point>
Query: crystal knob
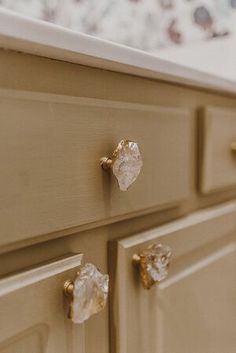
<point>87,293</point>
<point>125,163</point>
<point>153,264</point>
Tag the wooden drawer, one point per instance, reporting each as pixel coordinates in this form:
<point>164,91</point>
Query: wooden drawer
<point>193,309</point>
<point>218,161</point>
<point>33,315</point>
<point>50,150</point>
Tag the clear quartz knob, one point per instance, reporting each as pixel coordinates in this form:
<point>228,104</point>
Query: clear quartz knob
<point>87,293</point>
<point>153,264</point>
<point>126,163</point>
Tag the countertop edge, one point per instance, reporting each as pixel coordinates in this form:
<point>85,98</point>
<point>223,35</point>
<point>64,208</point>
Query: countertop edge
<point>48,40</point>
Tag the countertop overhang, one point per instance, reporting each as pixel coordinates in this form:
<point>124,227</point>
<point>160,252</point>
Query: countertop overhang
<point>44,39</point>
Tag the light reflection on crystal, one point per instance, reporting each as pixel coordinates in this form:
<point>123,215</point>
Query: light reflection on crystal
<point>128,164</point>
<point>157,261</point>
<point>89,294</point>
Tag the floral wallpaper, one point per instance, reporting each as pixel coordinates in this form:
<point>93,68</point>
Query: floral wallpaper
<point>143,24</point>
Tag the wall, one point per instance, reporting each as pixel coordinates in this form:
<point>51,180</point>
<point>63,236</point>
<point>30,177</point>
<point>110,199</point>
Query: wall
<point>145,24</point>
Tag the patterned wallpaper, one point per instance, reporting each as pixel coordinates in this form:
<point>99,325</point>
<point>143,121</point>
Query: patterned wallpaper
<point>143,24</point>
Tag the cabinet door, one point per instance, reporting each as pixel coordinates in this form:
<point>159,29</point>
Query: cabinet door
<point>194,309</point>
<point>33,316</point>
<point>218,158</point>
<point>51,178</point>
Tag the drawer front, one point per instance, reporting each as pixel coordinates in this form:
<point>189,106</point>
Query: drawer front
<point>33,315</point>
<point>193,309</point>
<point>50,152</point>
<point>218,159</point>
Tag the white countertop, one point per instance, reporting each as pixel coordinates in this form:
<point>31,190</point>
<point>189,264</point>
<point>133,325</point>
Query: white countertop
<point>216,56</point>
<point>48,40</point>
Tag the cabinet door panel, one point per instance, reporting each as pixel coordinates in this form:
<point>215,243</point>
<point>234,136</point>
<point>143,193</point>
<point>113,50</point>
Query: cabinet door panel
<point>33,315</point>
<point>194,309</point>
<point>218,160</point>
<point>51,177</point>
<point>197,308</point>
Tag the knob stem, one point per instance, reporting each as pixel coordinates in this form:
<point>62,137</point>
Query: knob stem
<point>136,259</point>
<point>68,288</point>
<point>106,163</point>
<point>233,146</point>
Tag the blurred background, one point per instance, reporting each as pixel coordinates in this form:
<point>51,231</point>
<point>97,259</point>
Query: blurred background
<point>143,24</point>
<point>193,32</point>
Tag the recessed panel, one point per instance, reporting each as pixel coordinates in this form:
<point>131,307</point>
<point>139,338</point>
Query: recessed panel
<point>218,149</point>
<point>193,309</point>
<point>33,314</point>
<point>50,150</point>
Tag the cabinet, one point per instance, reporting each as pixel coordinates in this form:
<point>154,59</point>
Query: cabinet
<point>33,313</point>
<point>56,200</point>
<point>218,157</point>
<point>54,145</point>
<point>193,310</point>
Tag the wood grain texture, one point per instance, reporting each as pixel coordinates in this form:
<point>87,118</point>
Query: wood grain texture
<point>181,313</point>
<point>50,151</point>
<point>218,162</point>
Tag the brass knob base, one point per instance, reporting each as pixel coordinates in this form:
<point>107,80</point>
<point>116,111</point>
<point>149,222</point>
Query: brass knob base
<point>233,146</point>
<point>68,288</point>
<point>106,163</point>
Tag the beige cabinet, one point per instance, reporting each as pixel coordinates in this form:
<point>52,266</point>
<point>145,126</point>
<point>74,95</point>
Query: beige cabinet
<point>51,177</point>
<point>218,149</point>
<point>193,309</point>
<point>34,314</point>
<point>57,119</point>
